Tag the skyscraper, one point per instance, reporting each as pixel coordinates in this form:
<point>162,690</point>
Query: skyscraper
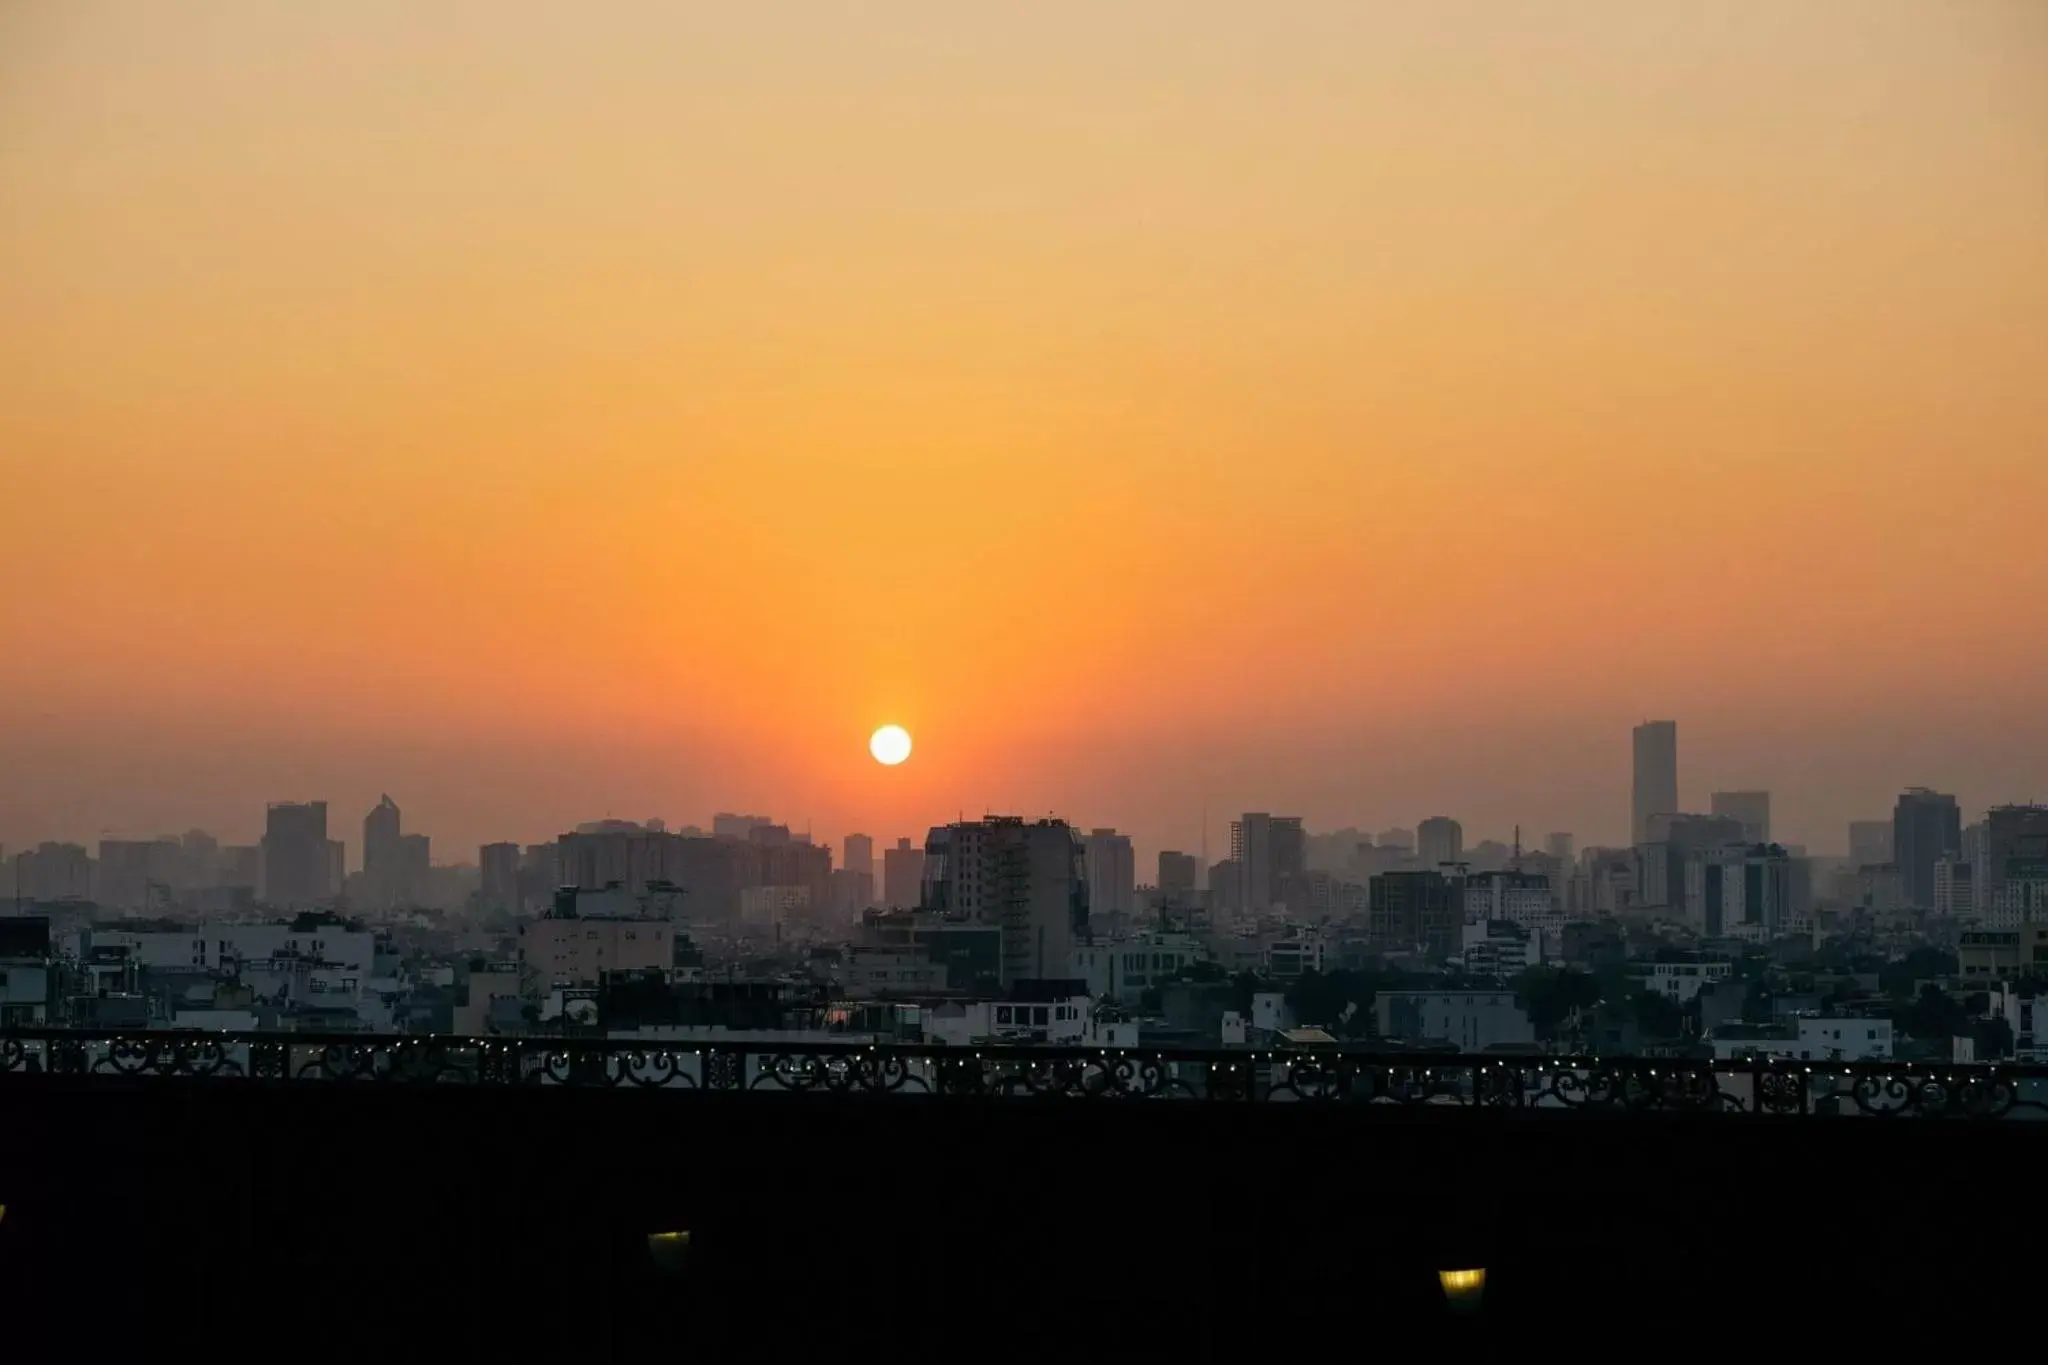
<point>1271,853</point>
<point>1250,849</point>
<point>1927,826</point>
<point>1559,846</point>
<point>1112,873</point>
<point>383,832</point>
<point>499,866</point>
<point>1656,775</point>
<point>2013,846</point>
<point>1177,873</point>
<point>1027,878</point>
<point>859,855</point>
<point>902,876</point>
<point>1439,840</point>
<point>296,854</point>
<point>1752,808</point>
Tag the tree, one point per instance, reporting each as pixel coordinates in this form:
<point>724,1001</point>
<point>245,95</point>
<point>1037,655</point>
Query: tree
<point>1658,1016</point>
<point>1550,994</point>
<point>1896,978</point>
<point>1993,1038</point>
<point>1935,1014</point>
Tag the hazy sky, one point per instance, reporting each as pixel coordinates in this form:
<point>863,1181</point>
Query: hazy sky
<point>1357,409</point>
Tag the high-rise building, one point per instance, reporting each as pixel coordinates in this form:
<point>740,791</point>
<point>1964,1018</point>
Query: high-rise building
<point>1656,775</point>
<point>1439,840</point>
<point>726,825</point>
<point>54,872</point>
<point>902,876</point>
<point>1177,872</point>
<point>859,855</point>
<point>1752,808</point>
<point>1870,843</point>
<point>1954,887</point>
<point>1271,853</point>
<point>1408,910</point>
<point>1559,846</point>
<point>1250,850</point>
<point>1673,839</point>
<point>1027,878</point>
<point>383,829</point>
<point>415,865</point>
<point>1226,889</point>
<point>852,891</point>
<point>138,874</point>
<point>1112,873</point>
<point>1927,826</point>
<point>2012,846</point>
<point>297,857</point>
<point>1738,891</point>
<point>498,865</point>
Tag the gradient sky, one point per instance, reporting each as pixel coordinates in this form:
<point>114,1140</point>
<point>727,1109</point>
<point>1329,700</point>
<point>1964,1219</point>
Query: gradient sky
<point>1357,409</point>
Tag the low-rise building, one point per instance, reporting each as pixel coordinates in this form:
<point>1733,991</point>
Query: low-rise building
<point>558,951</point>
<point>1811,1039</point>
<point>1681,981</point>
<point>1470,1020</point>
<point>1501,948</point>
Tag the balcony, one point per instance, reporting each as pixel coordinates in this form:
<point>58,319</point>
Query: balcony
<point>619,1199</point>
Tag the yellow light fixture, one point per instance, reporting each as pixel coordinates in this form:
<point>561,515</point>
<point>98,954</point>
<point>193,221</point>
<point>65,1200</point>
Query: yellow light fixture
<point>1462,1288</point>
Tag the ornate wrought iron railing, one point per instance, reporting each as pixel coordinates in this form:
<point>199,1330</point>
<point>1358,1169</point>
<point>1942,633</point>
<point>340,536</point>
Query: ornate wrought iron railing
<point>1325,1076</point>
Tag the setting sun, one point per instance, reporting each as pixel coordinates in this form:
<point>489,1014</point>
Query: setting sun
<point>890,745</point>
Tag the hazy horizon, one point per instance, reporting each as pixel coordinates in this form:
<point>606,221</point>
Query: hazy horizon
<point>1354,411</point>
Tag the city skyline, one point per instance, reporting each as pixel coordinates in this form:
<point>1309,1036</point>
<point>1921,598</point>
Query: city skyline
<point>1754,803</point>
<point>544,418</point>
<point>649,636</point>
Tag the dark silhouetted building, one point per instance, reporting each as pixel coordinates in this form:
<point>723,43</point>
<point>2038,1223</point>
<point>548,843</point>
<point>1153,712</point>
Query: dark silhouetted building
<point>1752,808</point>
<point>1177,873</point>
<point>1028,878</point>
<point>1656,775</point>
<point>902,876</point>
<point>1409,910</point>
<point>498,866</point>
<point>1927,826</point>
<point>298,864</point>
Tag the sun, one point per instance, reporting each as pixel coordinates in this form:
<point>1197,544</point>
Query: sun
<point>890,745</point>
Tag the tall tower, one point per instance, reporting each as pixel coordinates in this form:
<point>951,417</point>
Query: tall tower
<point>1439,840</point>
<point>296,855</point>
<point>1656,775</point>
<point>859,854</point>
<point>1927,826</point>
<point>383,837</point>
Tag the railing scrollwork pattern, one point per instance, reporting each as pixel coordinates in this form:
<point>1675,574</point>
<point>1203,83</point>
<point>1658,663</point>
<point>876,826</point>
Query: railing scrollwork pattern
<point>1756,1088</point>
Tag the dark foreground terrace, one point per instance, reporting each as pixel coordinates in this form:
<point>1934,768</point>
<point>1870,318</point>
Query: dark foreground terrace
<point>601,1199</point>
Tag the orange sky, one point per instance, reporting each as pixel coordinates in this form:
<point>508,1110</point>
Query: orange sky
<point>1364,410</point>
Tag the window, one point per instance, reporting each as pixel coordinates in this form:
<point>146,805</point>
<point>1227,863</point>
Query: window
<point>1002,1014</point>
<point>1038,1016</point>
